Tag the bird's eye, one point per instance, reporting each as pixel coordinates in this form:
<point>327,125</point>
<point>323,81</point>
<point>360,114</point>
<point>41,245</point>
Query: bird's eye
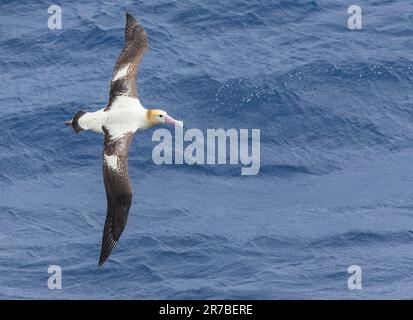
<point>161,115</point>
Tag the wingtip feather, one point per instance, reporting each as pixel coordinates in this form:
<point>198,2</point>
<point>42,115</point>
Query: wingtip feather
<point>104,255</point>
<point>130,19</point>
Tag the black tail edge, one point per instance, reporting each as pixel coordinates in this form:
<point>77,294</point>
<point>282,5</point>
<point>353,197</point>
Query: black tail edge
<point>75,121</point>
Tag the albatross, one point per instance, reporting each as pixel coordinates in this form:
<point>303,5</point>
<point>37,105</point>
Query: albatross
<point>118,121</point>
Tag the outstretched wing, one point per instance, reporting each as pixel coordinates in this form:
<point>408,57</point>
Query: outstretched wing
<point>118,190</point>
<point>123,81</point>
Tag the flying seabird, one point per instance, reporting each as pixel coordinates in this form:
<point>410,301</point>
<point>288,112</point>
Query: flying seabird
<point>118,121</point>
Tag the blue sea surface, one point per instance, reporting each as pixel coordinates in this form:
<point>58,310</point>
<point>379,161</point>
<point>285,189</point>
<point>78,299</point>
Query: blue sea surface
<point>335,110</point>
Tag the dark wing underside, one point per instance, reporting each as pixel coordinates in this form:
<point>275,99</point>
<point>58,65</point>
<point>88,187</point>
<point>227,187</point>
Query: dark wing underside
<point>124,75</point>
<point>118,190</point>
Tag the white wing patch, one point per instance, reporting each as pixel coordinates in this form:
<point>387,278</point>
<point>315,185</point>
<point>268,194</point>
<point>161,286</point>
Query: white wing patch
<point>112,161</point>
<point>121,73</point>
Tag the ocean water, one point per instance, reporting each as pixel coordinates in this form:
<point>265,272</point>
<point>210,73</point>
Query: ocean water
<point>335,110</point>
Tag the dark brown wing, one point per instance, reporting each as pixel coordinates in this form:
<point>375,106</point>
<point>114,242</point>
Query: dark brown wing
<point>118,190</point>
<point>124,75</point>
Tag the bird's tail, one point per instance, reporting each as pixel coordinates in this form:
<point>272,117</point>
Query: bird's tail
<point>74,123</point>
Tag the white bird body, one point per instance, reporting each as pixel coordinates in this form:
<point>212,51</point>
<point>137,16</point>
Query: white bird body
<point>126,114</point>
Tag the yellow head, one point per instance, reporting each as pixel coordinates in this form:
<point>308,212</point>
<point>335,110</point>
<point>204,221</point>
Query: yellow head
<point>156,117</point>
